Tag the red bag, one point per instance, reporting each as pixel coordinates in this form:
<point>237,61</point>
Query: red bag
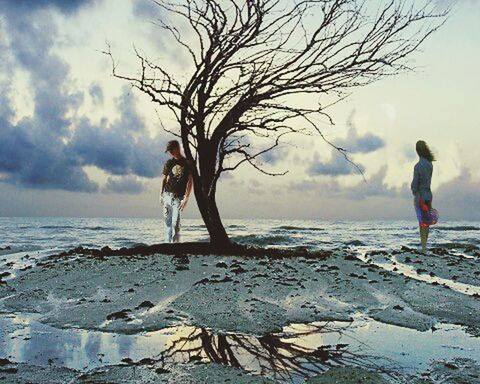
<point>428,216</point>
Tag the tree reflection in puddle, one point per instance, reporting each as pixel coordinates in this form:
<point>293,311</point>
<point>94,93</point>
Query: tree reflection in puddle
<point>295,354</point>
<point>299,351</point>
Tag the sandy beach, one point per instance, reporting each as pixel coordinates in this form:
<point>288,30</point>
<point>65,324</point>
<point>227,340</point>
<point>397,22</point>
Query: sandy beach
<point>317,317</point>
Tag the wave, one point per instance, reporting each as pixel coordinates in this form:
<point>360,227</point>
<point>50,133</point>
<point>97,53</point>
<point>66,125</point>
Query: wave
<point>262,240</point>
<point>470,240</point>
<point>98,228</point>
<point>458,245</point>
<point>94,228</point>
<point>459,228</point>
<point>57,227</point>
<point>294,228</point>
<point>355,243</point>
<point>6,250</point>
<point>387,228</point>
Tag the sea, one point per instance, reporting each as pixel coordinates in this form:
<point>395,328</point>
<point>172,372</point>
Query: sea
<point>53,234</point>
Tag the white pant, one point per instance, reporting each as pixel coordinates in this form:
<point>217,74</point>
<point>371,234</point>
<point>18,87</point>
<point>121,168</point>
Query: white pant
<point>171,213</point>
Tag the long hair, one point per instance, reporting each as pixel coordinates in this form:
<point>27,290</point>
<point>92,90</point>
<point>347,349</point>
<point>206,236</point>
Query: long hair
<point>424,151</point>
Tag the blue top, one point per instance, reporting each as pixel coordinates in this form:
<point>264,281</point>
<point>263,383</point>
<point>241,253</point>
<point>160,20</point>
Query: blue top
<point>422,178</point>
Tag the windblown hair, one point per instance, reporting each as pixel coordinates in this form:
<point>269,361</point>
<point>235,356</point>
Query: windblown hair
<point>424,151</point>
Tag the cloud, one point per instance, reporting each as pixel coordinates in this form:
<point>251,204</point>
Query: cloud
<point>31,151</point>
<point>449,3</point>
<point>336,166</point>
<point>125,184</point>
<point>146,9</point>
<point>227,175</point>
<point>96,93</point>
<point>256,188</point>
<point>149,17</point>
<point>274,156</point>
<point>374,186</point>
<point>118,148</point>
<point>409,152</point>
<point>459,198</point>
<point>50,149</point>
<point>27,6</point>
<point>353,143</point>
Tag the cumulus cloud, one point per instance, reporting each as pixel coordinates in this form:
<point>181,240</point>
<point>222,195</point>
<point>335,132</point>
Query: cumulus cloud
<point>373,186</point>
<point>459,198</point>
<point>31,151</point>
<point>50,148</point>
<point>146,9</point>
<point>409,152</point>
<point>376,186</point>
<point>26,6</point>
<point>354,143</point>
<point>336,166</point>
<point>116,147</point>
<point>274,156</point>
<point>125,184</point>
<point>96,93</point>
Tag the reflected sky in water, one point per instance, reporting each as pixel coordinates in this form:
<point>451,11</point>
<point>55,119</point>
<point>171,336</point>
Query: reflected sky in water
<point>301,350</point>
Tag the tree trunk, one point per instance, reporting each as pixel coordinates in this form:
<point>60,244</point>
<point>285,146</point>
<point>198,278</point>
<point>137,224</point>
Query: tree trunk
<point>211,217</point>
<point>205,196</point>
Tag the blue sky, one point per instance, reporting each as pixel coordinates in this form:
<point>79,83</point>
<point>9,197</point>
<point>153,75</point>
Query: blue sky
<point>74,141</point>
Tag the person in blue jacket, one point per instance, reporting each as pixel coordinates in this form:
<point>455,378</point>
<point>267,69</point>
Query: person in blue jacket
<point>422,178</point>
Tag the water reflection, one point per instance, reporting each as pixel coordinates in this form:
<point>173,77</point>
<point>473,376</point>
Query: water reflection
<point>299,351</point>
<point>285,357</point>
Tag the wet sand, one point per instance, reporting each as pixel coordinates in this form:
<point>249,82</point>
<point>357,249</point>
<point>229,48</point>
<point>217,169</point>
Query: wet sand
<point>89,301</point>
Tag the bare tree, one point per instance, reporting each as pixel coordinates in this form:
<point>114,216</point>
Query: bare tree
<point>253,59</point>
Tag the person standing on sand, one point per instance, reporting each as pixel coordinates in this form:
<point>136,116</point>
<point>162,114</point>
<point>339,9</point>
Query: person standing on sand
<point>422,178</point>
<point>176,187</point>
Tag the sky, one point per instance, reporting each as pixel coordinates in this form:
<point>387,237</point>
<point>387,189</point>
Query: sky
<point>75,141</point>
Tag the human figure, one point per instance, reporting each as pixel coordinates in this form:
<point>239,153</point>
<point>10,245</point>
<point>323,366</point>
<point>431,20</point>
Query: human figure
<point>176,187</point>
<point>422,178</point>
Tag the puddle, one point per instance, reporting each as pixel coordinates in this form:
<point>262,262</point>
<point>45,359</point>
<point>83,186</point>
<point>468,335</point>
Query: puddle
<point>409,271</point>
<point>300,351</point>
